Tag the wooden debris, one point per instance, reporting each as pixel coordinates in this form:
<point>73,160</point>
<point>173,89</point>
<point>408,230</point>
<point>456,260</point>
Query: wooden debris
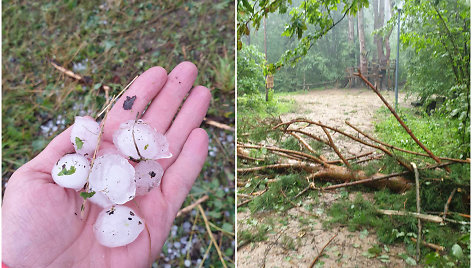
<point>425,217</point>
<point>429,245</point>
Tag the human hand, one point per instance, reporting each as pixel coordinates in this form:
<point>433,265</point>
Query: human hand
<point>42,224</point>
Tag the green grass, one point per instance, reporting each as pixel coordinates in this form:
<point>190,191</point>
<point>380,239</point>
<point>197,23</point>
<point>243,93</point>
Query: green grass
<point>438,133</point>
<point>112,41</point>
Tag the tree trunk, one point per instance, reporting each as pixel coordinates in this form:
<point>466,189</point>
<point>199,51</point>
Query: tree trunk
<point>362,51</point>
<point>352,54</point>
<point>379,16</point>
<point>350,30</point>
<point>265,50</point>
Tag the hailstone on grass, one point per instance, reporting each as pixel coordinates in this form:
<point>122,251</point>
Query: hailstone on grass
<point>113,176</point>
<point>84,135</point>
<point>138,140</point>
<point>71,171</point>
<point>117,226</point>
<point>148,175</point>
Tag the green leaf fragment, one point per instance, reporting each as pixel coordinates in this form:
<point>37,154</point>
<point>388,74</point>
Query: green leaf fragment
<point>86,195</point>
<point>79,143</point>
<point>145,147</point>
<point>64,171</point>
<point>457,251</point>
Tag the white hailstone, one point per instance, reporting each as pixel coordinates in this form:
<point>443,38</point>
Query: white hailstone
<point>71,171</point>
<point>138,134</point>
<point>117,226</point>
<point>148,175</point>
<point>101,200</point>
<point>84,135</point>
<point>113,176</point>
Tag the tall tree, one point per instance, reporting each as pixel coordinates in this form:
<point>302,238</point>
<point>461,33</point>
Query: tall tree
<point>362,50</point>
<point>379,16</point>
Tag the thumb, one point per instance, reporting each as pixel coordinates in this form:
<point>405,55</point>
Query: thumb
<point>56,149</point>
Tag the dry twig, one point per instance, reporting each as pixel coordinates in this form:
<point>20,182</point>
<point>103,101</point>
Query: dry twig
<point>321,252</point>
<point>190,207</point>
<point>446,206</point>
<point>211,235</point>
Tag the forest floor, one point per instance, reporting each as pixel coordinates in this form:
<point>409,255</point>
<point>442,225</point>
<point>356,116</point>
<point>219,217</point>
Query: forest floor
<point>298,234</point>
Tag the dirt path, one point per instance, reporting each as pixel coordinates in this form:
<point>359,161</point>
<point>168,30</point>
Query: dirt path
<point>335,106</point>
<point>348,249</point>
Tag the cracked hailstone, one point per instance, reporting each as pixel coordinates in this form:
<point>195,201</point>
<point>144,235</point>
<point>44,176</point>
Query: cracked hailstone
<point>117,226</point>
<point>84,135</point>
<point>113,176</point>
<point>148,175</point>
<point>100,199</point>
<point>71,171</point>
<point>138,134</point>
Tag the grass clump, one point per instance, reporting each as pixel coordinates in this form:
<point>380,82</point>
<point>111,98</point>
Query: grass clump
<point>273,199</point>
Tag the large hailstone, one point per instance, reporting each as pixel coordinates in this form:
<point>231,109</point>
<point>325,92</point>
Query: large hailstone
<point>148,175</point>
<point>71,171</point>
<point>117,226</point>
<point>137,134</point>
<point>113,176</point>
<point>84,135</point>
<point>101,200</point>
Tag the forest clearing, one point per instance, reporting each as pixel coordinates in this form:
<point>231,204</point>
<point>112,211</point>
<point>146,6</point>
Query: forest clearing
<point>333,169</point>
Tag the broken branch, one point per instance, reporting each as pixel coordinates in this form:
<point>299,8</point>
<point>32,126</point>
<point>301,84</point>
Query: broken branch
<point>446,207</point>
<point>336,148</point>
<point>425,217</point>
<point>401,121</point>
<point>429,245</point>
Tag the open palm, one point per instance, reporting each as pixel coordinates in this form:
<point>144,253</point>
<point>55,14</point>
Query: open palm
<point>42,224</point>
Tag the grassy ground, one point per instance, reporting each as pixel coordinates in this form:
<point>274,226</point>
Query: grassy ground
<point>109,42</point>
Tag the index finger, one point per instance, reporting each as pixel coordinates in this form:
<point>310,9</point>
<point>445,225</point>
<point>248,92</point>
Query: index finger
<point>135,99</point>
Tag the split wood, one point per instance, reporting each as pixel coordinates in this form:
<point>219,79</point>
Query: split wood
<point>321,252</point>
<point>426,217</point>
<point>401,121</point>
<point>418,209</point>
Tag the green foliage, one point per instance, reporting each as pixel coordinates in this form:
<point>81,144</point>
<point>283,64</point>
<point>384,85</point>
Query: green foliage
<point>86,195</point>
<point>314,15</point>
<point>439,134</point>
<point>436,35</point>
<point>255,233</point>
<point>291,185</point>
<point>360,214</point>
<point>64,171</point>
<point>80,143</point>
